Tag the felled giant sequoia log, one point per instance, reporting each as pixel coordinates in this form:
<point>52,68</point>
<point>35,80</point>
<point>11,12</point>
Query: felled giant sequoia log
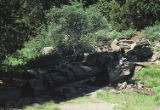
<point>113,66</point>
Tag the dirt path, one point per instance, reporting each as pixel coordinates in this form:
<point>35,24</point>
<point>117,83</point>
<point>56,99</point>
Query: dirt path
<point>137,37</point>
<point>97,104</point>
<point>87,106</point>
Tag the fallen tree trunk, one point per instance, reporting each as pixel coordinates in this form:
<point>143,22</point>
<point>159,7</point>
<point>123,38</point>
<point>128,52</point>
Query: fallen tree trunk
<point>112,66</point>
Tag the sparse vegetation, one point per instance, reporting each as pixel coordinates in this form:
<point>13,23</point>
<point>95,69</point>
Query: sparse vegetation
<point>132,101</point>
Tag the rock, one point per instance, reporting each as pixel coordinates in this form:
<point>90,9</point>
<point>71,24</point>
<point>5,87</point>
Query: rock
<point>140,85</point>
<point>47,50</point>
<point>98,50</point>
<point>129,86</point>
<point>114,46</point>
<point>122,85</point>
<point>157,62</point>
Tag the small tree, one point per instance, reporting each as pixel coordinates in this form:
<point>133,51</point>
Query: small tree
<point>70,24</point>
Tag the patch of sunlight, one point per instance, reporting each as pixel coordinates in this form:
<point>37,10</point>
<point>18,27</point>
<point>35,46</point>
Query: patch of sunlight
<point>133,101</point>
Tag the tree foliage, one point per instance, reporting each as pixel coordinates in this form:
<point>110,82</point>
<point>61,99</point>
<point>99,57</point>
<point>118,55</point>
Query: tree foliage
<point>19,19</point>
<point>124,14</point>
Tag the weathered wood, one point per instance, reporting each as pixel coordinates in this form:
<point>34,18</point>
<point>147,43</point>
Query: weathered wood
<point>127,41</point>
<point>144,64</point>
<point>143,43</point>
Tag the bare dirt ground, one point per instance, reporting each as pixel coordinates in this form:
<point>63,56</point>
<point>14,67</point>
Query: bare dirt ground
<point>158,108</point>
<point>97,104</point>
<point>136,38</point>
<point>87,106</point>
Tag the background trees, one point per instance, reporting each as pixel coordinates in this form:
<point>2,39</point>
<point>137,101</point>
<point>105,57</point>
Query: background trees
<point>124,14</point>
<point>19,20</point>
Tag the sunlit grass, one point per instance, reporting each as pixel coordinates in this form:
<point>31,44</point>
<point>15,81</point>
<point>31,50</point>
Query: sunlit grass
<point>133,101</point>
<point>151,75</point>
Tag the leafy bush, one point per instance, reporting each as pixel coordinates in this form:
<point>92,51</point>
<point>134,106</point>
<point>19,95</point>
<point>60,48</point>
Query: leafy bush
<point>124,14</point>
<point>152,33</point>
<point>71,23</point>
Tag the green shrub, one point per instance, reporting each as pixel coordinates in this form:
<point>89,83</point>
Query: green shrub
<point>152,33</point>
<point>71,23</point>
